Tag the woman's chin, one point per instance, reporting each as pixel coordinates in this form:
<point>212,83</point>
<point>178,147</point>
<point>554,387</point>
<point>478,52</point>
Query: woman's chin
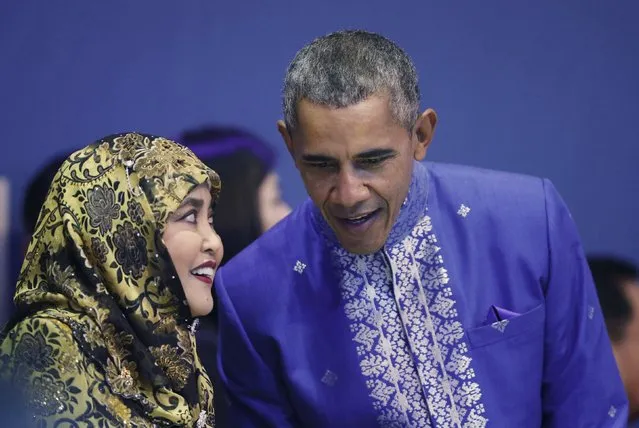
<point>201,309</point>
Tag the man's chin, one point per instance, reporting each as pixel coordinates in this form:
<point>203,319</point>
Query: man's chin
<point>360,248</point>
<point>368,239</point>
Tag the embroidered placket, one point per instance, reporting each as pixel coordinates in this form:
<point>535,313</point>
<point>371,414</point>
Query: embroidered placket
<point>431,330</point>
<point>435,332</point>
<point>369,293</point>
<point>407,408</point>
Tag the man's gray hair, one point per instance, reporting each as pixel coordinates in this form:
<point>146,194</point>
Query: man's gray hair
<point>346,67</point>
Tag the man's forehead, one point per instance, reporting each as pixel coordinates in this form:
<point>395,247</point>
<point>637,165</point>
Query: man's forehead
<point>354,138</point>
<point>373,111</point>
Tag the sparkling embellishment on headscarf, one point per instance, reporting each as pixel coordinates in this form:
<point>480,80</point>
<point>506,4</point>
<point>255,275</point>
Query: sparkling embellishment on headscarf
<point>194,325</point>
<point>201,420</point>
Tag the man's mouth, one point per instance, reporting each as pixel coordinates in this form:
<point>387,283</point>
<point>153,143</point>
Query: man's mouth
<point>359,219</point>
<point>205,272</point>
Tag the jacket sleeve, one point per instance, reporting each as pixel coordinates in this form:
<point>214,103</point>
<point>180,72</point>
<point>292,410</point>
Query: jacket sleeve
<point>255,397</point>
<point>581,383</point>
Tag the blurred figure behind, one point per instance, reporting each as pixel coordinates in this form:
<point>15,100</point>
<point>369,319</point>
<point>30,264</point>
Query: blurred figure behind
<point>250,203</point>
<point>32,201</point>
<point>36,194</point>
<point>617,283</point>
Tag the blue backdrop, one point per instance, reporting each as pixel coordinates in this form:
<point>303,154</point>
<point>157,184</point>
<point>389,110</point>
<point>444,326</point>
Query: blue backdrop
<point>546,88</point>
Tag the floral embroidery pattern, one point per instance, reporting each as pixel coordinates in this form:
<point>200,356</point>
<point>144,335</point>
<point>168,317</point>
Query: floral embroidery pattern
<point>99,250</point>
<point>48,395</point>
<point>385,358</point>
<point>130,250</point>
<point>435,331</point>
<point>122,377</point>
<point>135,212</point>
<point>408,336</point>
<point>173,365</point>
<point>34,351</point>
<point>101,208</point>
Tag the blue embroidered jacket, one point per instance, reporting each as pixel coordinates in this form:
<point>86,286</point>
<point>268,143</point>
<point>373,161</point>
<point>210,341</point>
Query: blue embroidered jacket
<point>480,311</point>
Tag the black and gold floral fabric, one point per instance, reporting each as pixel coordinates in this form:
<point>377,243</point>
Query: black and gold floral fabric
<point>103,336</point>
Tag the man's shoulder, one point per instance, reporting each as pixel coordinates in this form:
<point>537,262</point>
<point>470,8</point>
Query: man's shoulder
<point>517,202</point>
<point>488,184</point>
<point>481,176</point>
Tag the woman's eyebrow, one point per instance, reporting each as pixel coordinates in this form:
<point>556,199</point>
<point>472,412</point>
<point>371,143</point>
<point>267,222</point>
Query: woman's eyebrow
<point>194,202</point>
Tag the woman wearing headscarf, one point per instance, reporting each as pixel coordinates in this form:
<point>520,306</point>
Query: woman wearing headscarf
<point>120,266</point>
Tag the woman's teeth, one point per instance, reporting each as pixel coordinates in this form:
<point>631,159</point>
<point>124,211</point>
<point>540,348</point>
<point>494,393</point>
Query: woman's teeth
<point>203,271</point>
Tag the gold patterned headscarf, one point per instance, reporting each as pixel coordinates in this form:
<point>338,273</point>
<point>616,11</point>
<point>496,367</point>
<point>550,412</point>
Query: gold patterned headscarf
<point>97,264</point>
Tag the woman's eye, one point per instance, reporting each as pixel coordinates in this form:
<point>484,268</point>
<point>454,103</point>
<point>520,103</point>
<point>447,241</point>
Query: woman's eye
<point>211,220</point>
<point>190,218</point>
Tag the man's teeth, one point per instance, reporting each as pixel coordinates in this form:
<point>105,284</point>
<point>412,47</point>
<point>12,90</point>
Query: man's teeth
<point>358,218</point>
<point>203,271</point>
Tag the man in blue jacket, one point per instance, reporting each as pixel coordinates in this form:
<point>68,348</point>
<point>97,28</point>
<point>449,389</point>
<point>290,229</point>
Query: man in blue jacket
<point>407,294</point>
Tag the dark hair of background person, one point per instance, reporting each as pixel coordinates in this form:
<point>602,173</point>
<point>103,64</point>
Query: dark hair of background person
<point>242,160</point>
<point>32,200</point>
<point>610,275</point>
<point>36,192</point>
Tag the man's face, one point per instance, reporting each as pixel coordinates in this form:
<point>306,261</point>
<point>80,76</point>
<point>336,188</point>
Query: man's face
<point>356,164</point>
<point>627,351</point>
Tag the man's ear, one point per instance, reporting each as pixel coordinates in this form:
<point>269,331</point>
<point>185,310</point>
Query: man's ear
<point>423,133</point>
<point>286,136</point>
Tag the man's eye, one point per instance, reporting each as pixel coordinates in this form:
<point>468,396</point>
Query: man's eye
<point>371,162</point>
<point>319,165</point>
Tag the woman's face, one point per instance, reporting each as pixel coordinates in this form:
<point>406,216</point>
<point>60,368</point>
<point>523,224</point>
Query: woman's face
<point>195,248</point>
<point>272,207</point>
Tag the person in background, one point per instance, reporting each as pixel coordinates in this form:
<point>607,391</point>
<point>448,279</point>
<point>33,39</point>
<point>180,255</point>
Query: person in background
<point>617,283</point>
<point>250,204</point>
<point>33,198</point>
<point>36,193</point>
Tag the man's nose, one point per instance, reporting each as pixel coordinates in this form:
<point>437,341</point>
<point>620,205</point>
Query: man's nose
<point>350,190</point>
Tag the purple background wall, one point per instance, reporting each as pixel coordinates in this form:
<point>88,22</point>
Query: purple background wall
<point>546,88</point>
